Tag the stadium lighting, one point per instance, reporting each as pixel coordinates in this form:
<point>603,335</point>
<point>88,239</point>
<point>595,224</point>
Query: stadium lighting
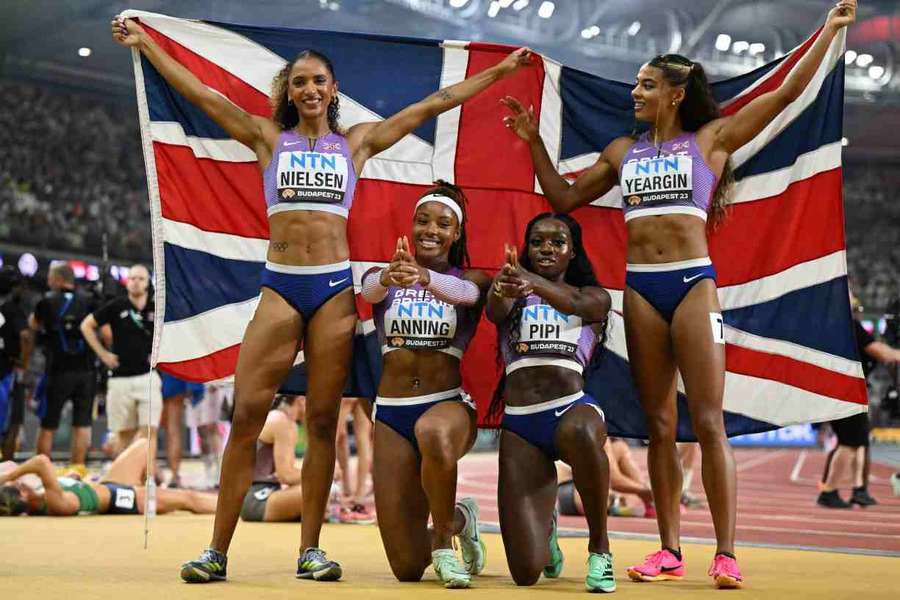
<point>28,264</point>
<point>845,141</point>
<point>494,9</point>
<point>520,4</point>
<point>458,3</point>
<point>586,34</point>
<point>546,10</point>
<point>757,48</point>
<point>864,60</point>
<point>723,42</point>
<point>84,52</point>
<point>876,71</point>
<point>505,3</point>
<point>740,46</point>
<point>634,28</point>
<point>595,30</point>
<point>849,56</point>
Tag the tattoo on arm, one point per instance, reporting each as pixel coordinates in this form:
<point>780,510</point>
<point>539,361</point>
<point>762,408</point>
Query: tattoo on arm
<point>445,95</point>
<point>280,246</point>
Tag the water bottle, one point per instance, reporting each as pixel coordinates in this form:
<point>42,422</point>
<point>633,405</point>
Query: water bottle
<point>151,498</point>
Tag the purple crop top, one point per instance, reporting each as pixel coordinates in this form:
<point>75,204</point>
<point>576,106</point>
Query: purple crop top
<point>414,319</point>
<point>671,179</point>
<point>310,175</point>
<point>547,337</point>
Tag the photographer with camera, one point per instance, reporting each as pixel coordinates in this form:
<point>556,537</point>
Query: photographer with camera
<point>69,365</point>
<point>852,451</point>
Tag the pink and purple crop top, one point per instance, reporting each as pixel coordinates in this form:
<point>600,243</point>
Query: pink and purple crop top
<point>670,179</point>
<point>310,174</point>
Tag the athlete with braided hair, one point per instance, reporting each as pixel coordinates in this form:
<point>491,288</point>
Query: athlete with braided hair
<point>672,179</point>
<point>550,314</point>
<point>427,307</point>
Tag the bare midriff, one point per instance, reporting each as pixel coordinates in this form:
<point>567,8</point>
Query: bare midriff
<point>307,238</point>
<point>666,238</point>
<point>532,385</point>
<point>410,373</point>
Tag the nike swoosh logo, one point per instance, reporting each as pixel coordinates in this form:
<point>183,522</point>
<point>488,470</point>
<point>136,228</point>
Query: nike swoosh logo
<point>691,278</point>
<point>559,413</point>
<point>292,143</point>
<point>664,569</point>
<point>641,150</point>
<point>339,282</point>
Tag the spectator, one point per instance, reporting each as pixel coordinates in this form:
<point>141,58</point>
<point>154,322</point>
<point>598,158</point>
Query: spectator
<point>15,350</point>
<point>69,369</point>
<point>134,395</point>
<point>852,451</point>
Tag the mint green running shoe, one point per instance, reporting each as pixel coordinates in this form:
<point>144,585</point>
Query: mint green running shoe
<point>600,577</point>
<point>555,567</point>
<point>209,567</point>
<point>452,574</point>
<point>471,545</point>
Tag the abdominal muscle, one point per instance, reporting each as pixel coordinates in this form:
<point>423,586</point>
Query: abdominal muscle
<point>658,239</point>
<point>307,238</point>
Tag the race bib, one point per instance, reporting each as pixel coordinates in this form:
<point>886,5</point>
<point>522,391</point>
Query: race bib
<point>416,320</point>
<point>263,493</point>
<point>124,499</point>
<point>311,177</point>
<point>545,330</point>
<point>663,180</point>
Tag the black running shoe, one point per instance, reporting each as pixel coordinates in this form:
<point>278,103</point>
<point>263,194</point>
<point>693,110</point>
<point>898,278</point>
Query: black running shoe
<point>313,564</point>
<point>832,500</point>
<point>209,567</point>
<point>861,496</point>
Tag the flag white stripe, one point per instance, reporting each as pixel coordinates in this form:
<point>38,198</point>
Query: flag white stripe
<point>794,109</point>
<point>550,122</point>
<point>837,364</point>
<point>205,333</point>
<point>222,245</point>
<point>446,135</point>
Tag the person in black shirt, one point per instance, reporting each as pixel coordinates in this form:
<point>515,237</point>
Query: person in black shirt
<point>69,369</point>
<point>134,391</point>
<point>852,450</point>
<point>15,350</point>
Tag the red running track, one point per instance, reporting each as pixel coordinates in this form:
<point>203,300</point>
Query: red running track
<point>777,490</point>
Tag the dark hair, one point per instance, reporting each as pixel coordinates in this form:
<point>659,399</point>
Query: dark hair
<point>12,503</point>
<point>579,273</point>
<point>458,256</point>
<point>284,113</point>
<point>63,271</point>
<point>698,108</point>
<point>283,400</point>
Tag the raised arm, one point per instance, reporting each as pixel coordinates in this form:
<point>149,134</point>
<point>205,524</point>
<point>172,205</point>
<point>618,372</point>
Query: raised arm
<point>733,132</point>
<point>370,138</point>
<point>563,196</point>
<point>506,288</point>
<point>258,133</point>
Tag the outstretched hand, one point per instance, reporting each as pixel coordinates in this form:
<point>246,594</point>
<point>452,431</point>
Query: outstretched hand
<point>842,15</point>
<point>523,122</point>
<point>126,31</point>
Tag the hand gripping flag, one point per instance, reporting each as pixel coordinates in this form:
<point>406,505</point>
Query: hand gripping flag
<point>780,256</point>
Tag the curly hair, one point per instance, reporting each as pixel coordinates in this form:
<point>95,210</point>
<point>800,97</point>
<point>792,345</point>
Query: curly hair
<point>579,273</point>
<point>458,255</point>
<point>284,113</point>
<point>698,108</point>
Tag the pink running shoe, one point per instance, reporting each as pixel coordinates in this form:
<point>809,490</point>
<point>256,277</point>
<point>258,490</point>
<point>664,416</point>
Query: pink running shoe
<point>356,515</point>
<point>725,572</point>
<point>659,566</point>
<point>649,510</point>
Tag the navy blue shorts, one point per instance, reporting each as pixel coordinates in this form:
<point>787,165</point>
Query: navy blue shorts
<point>307,288</point>
<point>665,285</point>
<point>122,499</point>
<point>173,386</point>
<point>401,414</point>
<point>537,424</point>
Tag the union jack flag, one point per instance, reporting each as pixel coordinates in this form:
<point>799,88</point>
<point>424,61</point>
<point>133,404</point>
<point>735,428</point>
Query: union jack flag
<point>780,256</point>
